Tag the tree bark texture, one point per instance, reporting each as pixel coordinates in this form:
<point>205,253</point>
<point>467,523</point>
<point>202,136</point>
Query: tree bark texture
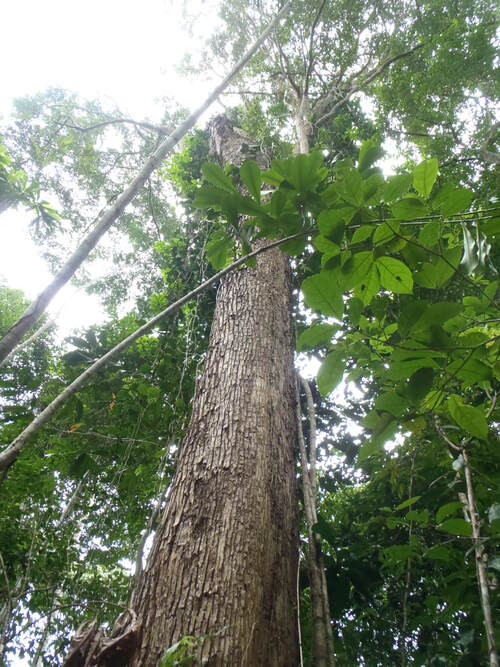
<point>224,561</point>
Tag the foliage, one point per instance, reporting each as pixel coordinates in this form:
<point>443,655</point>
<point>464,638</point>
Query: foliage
<point>391,294</point>
<point>397,303</point>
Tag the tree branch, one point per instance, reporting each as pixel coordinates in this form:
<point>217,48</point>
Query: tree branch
<point>161,129</point>
<point>311,49</point>
<point>489,156</point>
<point>358,84</point>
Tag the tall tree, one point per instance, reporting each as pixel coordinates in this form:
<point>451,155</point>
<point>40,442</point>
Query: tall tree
<point>372,255</point>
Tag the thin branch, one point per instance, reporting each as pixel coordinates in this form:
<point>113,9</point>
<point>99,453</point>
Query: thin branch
<point>161,129</point>
<point>489,156</point>
<point>46,325</point>
<point>311,414</point>
<point>311,49</point>
<point>481,570</point>
<point>299,627</point>
<point>357,84</point>
<point>285,68</point>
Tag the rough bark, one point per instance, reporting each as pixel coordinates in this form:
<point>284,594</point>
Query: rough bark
<point>9,455</point>
<point>224,562</point>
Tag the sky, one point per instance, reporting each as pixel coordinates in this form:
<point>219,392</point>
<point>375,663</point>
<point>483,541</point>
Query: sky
<point>119,51</point>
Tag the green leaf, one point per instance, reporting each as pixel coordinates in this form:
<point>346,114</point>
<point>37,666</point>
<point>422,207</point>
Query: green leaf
<point>209,196</point>
<point>439,552</point>
<point>456,527</point>
<point>471,371</point>
<point>372,188</point>
<point>361,234</point>
<point>324,245</point>
<point>425,176</point>
<point>385,232</point>
<point>451,200</point>
<point>420,384</point>
<point>394,275</point>
<point>469,418</point>
<point>357,268</point>
<point>398,553</point>
<point>331,223</point>
<point>306,171</point>
<point>448,510</point>
<point>391,402</point>
<point>396,186</point>
<point>278,203</point>
<point>429,234</point>
<point>369,153</point>
<point>437,274</point>
<point>407,503</point>
<point>409,208</point>
<point>368,449</point>
<point>331,372</point>
<point>401,370</point>
<point>315,336</point>
<point>214,175</point>
<point>369,286</point>
<point>251,177</point>
<point>220,252</point>
<point>351,188</point>
<point>322,293</point>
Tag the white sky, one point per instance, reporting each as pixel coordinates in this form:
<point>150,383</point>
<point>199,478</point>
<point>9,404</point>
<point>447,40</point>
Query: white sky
<point>122,51</point>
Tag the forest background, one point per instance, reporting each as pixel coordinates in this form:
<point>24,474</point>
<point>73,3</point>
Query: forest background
<point>400,542</point>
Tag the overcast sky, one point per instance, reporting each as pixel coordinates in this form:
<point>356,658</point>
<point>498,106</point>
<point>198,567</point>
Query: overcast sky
<point>116,50</point>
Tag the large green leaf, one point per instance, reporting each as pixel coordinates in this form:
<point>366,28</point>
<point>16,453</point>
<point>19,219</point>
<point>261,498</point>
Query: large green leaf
<point>209,196</point>
<point>394,275</point>
<point>331,223</point>
<point>214,175</point>
<point>369,153</point>
<point>351,189</point>
<point>220,252</point>
<point>468,417</point>
<point>357,268</point>
<point>458,527</point>
<point>306,171</point>
<point>391,402</point>
<point>448,510</point>
<point>451,199</point>
<point>369,286</point>
<point>408,503</point>
<point>251,177</point>
<point>324,245</point>
<point>331,372</point>
<point>322,293</point>
<point>396,186</point>
<point>316,335</point>
<point>409,208</point>
<point>424,176</point>
<point>420,384</point>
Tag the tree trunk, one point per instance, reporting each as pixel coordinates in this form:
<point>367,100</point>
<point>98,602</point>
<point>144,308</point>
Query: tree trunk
<point>224,562</point>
